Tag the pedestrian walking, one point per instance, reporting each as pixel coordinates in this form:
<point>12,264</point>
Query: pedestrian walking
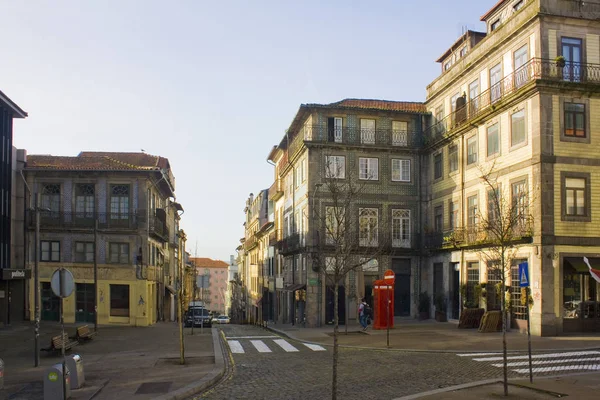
<point>362,313</point>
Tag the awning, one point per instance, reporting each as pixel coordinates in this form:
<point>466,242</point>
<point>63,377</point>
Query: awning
<point>293,288</point>
<point>170,289</point>
<point>580,266</point>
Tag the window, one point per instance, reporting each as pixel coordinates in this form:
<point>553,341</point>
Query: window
<point>447,65</point>
<point>453,102</point>
<point>367,131</point>
<point>439,113</point>
<point>438,219</point>
<point>493,140</point>
<point>368,168</point>
<point>474,97</point>
<point>334,224</point>
<point>575,192</point>
<point>119,202</point>
<point>494,277</point>
<point>401,228</point>
<point>572,52</point>
<point>517,132</point>
<point>84,200</point>
<point>299,175</point>
<point>50,199</point>
<point>519,311</point>
<point>437,166</point>
<point>519,204</point>
<point>472,281</point>
<point>452,157</point>
<point>574,120</point>
<point>453,215</point>
<point>495,25</point>
<point>335,167</point>
<point>50,251</point>
<point>368,226</point>
<point>463,52</point>
<point>518,5</point>
<point>119,300</point>
<point>494,205</point>
<point>334,130</point>
<point>472,211</point>
<point>290,182</point>
<point>495,85</point>
<point>119,253</point>
<point>400,170</point>
<point>399,133</point>
<point>521,72</point>
<point>84,252</point>
<point>471,150</point>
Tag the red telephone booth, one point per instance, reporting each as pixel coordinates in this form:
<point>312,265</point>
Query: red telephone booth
<point>383,304</point>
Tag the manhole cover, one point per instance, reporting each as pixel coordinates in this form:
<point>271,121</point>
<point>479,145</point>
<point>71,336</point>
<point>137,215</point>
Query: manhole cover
<point>153,388</point>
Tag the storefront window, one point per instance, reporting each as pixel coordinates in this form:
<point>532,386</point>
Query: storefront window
<point>581,293</point>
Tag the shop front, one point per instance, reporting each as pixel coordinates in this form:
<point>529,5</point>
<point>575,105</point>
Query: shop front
<point>581,296</point>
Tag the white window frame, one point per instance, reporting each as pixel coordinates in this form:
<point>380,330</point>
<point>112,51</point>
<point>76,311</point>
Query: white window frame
<point>400,170</point>
<point>400,133</point>
<point>368,168</point>
<point>338,130</point>
<point>335,167</point>
<point>368,222</point>
<point>401,228</point>
<point>367,131</point>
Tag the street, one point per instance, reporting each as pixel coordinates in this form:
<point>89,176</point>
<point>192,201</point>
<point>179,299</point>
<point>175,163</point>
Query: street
<point>266,366</point>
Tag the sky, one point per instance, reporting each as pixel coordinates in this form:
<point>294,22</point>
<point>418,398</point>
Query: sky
<point>211,85</point>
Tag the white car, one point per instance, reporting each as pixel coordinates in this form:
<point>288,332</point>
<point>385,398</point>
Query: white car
<point>222,319</point>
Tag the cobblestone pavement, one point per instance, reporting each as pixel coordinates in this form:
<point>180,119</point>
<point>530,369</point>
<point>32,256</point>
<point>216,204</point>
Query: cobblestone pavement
<point>304,373</point>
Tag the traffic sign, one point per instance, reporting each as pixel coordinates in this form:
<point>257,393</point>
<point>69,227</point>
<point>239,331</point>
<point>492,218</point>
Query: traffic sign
<point>523,275</point>
<point>62,283</point>
<point>389,276</point>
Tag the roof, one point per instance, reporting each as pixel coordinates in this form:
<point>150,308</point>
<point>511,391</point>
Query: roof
<point>201,262</point>
<point>492,10</point>
<point>459,42</point>
<point>99,161</point>
<point>17,111</point>
<point>371,104</point>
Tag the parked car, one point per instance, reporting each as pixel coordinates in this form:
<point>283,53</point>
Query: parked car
<point>223,319</point>
<point>198,316</point>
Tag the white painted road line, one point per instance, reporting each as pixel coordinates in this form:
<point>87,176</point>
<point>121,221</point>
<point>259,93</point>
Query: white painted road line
<point>252,337</point>
<point>595,367</point>
<point>553,355</point>
<point>314,347</point>
<point>235,346</point>
<point>543,362</point>
<point>260,346</point>
<point>285,345</point>
<point>477,354</point>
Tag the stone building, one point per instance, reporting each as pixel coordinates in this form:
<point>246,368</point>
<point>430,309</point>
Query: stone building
<point>130,197</point>
<point>215,295</point>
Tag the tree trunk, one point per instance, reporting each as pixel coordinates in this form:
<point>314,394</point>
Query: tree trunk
<point>504,318</point>
<point>335,341</point>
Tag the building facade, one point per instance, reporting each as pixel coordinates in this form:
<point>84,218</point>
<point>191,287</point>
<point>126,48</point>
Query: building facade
<point>109,212</point>
<point>215,296</point>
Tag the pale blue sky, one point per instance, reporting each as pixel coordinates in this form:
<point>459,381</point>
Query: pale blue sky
<point>211,85</point>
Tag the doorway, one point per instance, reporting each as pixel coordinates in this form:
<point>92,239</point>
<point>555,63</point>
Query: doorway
<point>85,300</point>
<point>455,289</point>
<point>330,305</point>
<point>50,303</point>
<point>401,267</point>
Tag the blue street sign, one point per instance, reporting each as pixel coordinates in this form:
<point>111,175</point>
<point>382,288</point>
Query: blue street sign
<point>523,275</point>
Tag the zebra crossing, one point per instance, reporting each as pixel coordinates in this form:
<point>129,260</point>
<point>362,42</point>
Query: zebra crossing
<point>267,344</point>
<point>543,362</point>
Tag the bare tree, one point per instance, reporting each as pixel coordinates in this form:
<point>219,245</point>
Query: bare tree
<point>346,237</point>
<point>506,224</point>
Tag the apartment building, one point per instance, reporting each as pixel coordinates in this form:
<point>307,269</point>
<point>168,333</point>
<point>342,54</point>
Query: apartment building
<point>215,296</point>
<point>115,211</point>
<point>374,144</point>
<point>520,100</point>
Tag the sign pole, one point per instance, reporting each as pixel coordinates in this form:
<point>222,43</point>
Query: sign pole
<point>529,336</point>
<point>387,297</point>
<point>36,281</point>
<point>62,326</point>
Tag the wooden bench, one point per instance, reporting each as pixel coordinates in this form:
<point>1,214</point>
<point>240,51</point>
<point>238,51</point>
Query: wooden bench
<point>84,333</point>
<point>57,343</point>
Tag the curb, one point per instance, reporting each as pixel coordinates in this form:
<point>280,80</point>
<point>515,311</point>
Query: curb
<point>209,380</point>
<point>291,336</point>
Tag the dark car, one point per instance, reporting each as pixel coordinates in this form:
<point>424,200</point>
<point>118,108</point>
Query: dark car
<point>198,317</point>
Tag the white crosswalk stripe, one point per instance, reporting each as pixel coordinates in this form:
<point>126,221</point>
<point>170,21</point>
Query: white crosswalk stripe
<point>542,363</point>
<point>260,344</point>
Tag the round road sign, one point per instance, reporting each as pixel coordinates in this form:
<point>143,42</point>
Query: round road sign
<point>389,276</point>
<point>62,282</point>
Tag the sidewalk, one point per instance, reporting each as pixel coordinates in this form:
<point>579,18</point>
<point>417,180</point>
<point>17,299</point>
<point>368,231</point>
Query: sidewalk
<point>413,335</point>
<point>120,362</point>
<point>578,386</point>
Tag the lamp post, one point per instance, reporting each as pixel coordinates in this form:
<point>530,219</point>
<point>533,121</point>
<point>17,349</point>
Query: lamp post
<point>36,278</point>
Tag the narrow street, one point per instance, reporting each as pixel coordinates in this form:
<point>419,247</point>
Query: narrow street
<point>272,367</point>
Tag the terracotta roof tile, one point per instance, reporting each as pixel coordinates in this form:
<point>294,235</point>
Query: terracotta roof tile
<point>201,262</point>
<point>371,104</point>
<point>90,161</point>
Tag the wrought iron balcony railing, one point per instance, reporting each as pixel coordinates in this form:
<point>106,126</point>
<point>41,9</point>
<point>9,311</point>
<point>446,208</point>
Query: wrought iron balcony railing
<point>535,69</point>
<point>474,235</point>
<point>291,243</point>
<point>359,136</point>
<point>158,228</point>
<point>86,220</point>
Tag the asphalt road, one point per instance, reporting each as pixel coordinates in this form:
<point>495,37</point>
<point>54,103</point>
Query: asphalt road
<point>263,365</point>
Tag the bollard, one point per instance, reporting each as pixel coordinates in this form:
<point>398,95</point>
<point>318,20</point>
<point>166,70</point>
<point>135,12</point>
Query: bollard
<point>75,368</point>
<point>53,385</point>
<point>1,374</point>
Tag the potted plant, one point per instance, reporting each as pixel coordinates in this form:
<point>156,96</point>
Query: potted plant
<point>441,306</point>
<point>560,61</point>
<point>424,306</point>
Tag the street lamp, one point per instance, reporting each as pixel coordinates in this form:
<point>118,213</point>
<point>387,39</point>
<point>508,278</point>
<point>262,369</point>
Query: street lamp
<point>36,278</point>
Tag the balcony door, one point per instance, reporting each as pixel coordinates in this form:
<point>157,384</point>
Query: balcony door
<point>571,51</point>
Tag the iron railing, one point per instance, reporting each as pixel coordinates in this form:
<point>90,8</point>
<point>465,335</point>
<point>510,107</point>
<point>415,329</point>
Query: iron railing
<point>535,69</point>
<point>359,136</point>
<point>86,220</point>
<point>474,235</point>
<point>158,228</point>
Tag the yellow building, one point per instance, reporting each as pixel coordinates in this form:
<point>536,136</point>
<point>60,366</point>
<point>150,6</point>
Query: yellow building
<point>130,198</point>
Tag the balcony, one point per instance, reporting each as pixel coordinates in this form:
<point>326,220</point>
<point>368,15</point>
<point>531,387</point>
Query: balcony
<point>158,228</point>
<point>273,238</point>
<point>359,136</point>
<point>250,243</point>
<point>535,70</point>
<point>276,190</point>
<point>290,244</point>
<point>86,220</point>
<point>475,236</point>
